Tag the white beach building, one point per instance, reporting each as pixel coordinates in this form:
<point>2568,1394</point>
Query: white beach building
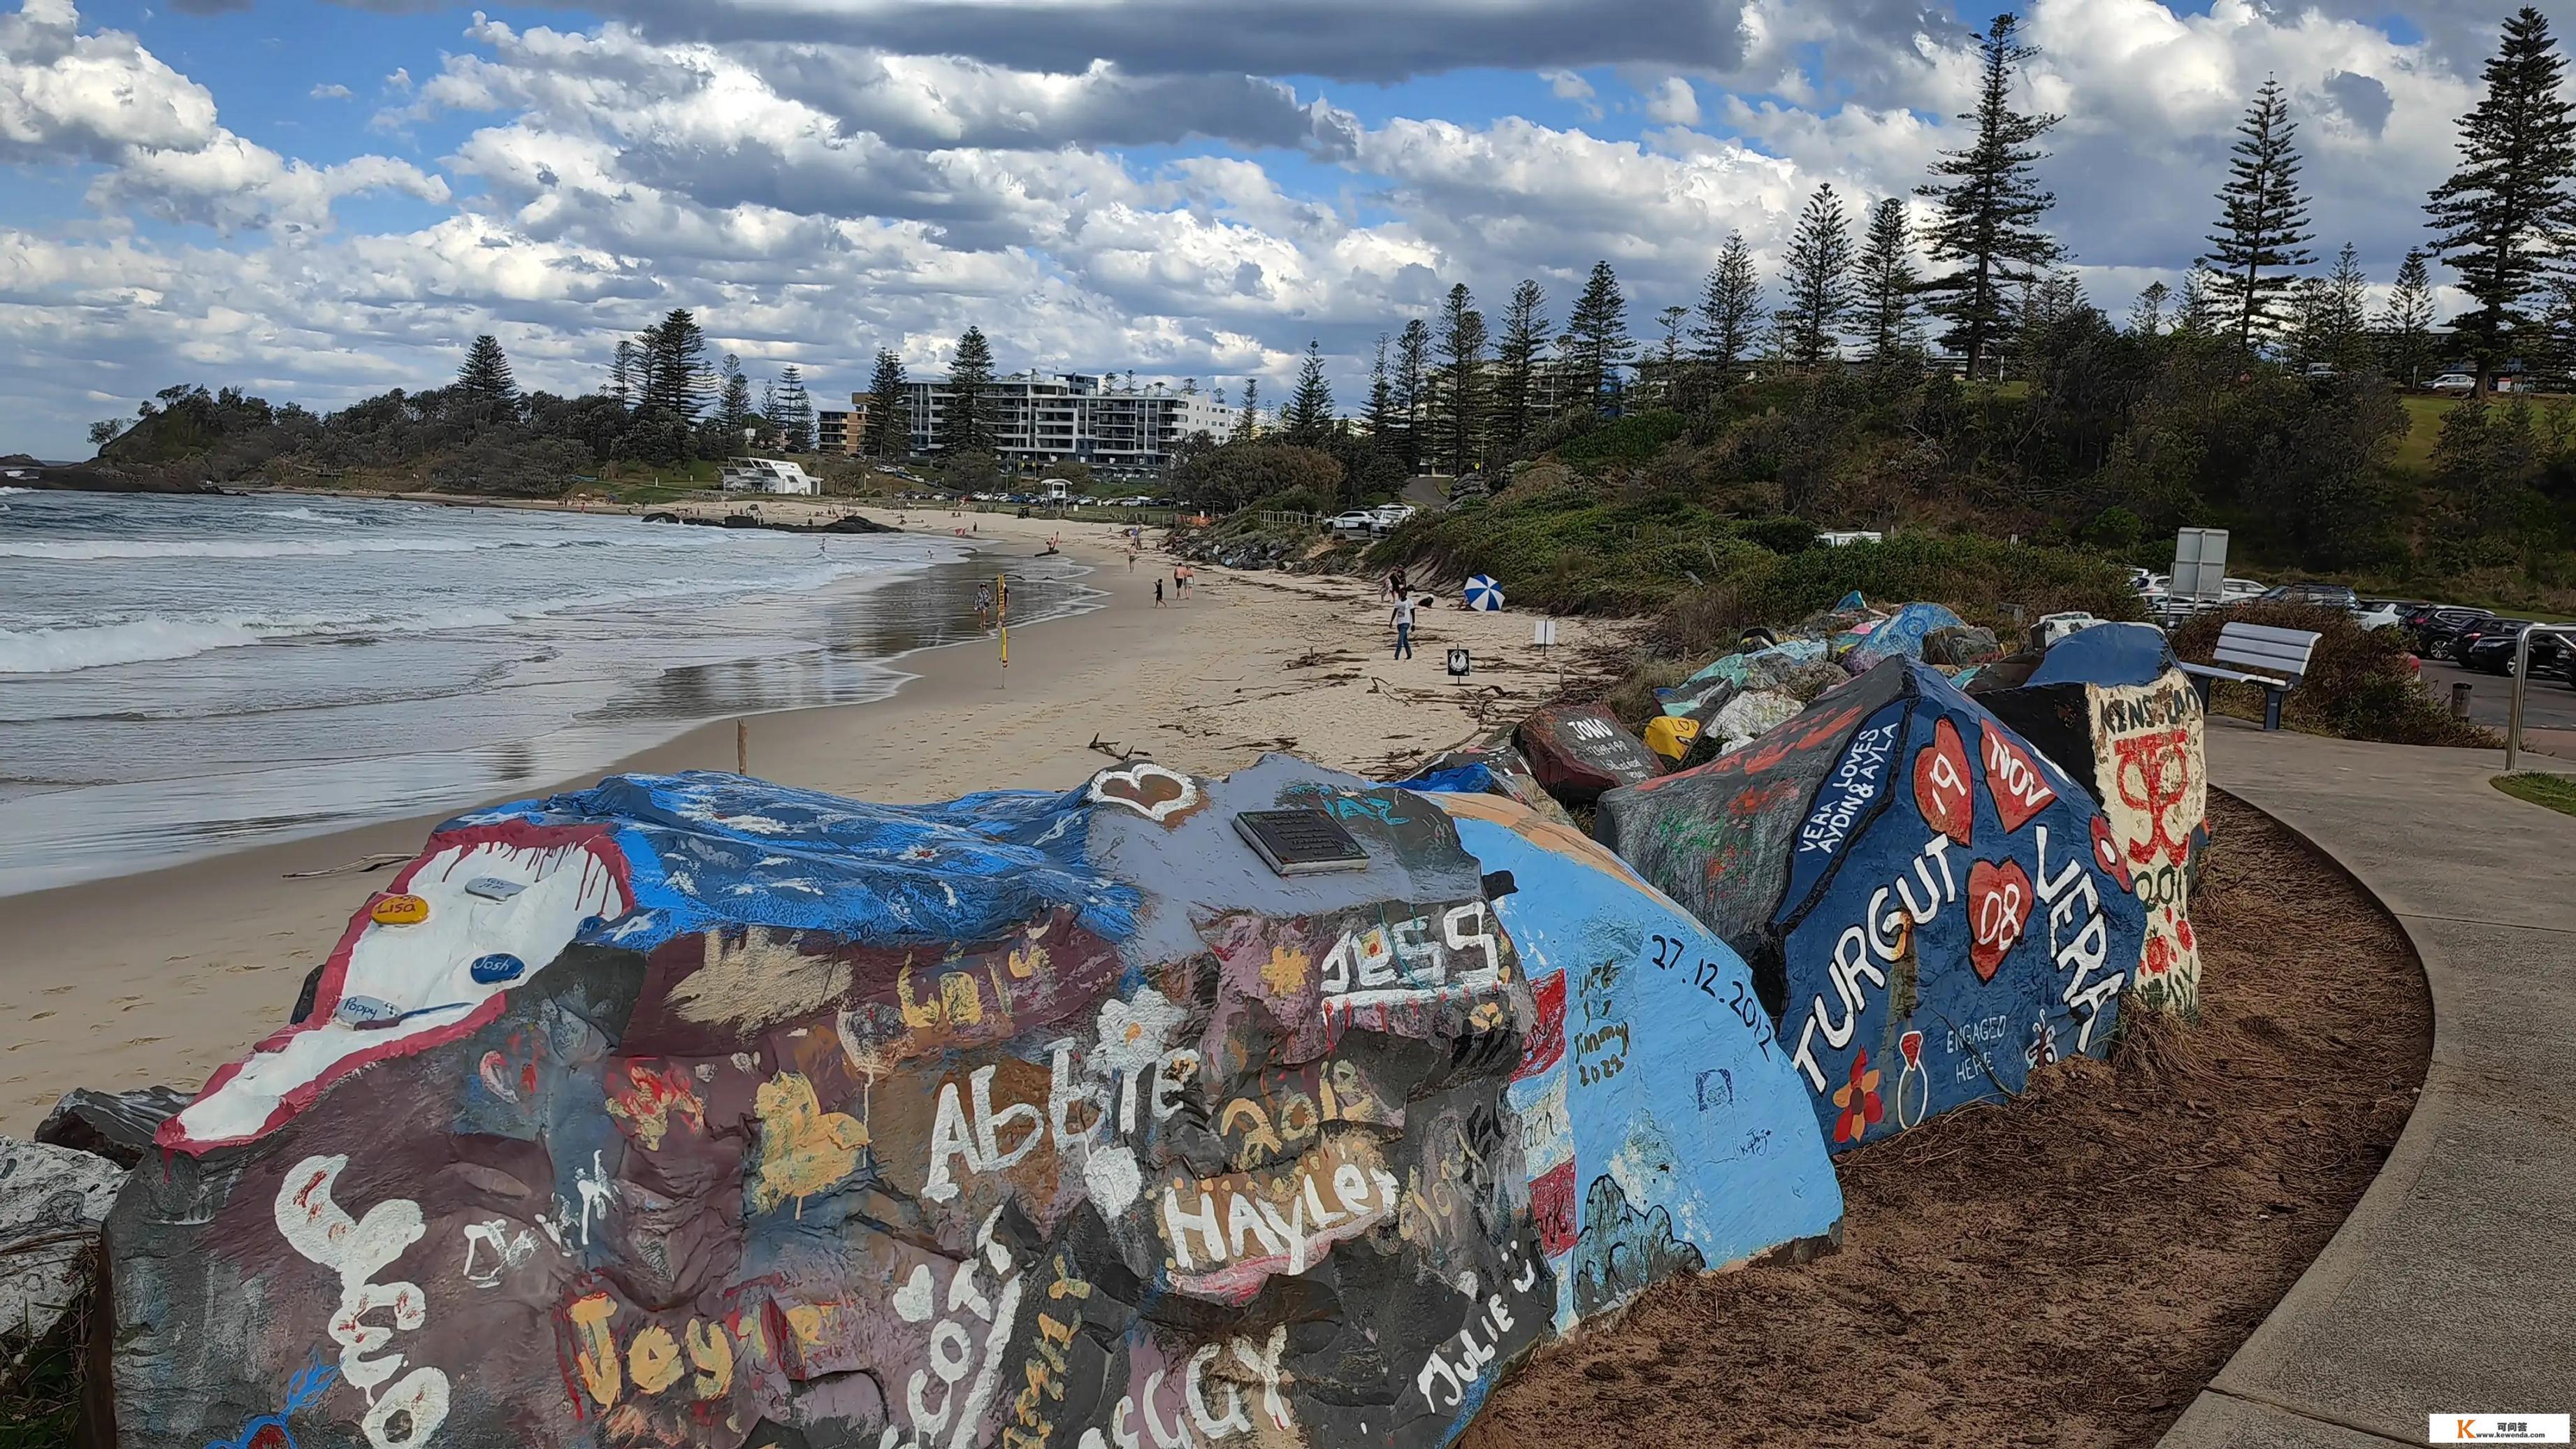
<point>1039,418</point>
<point>766,475</point>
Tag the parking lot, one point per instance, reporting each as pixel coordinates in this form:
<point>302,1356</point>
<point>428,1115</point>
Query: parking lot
<point>2548,703</point>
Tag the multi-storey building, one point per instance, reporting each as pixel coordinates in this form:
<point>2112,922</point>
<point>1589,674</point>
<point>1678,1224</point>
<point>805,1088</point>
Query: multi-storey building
<point>843,433</point>
<point>1039,418</point>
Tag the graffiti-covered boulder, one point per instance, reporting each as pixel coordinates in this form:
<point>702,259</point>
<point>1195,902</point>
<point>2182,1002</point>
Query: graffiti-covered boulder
<point>1898,636</point>
<point>1931,908</point>
<point>1489,769</point>
<point>1659,1121</point>
<point>692,1110</point>
<point>52,1201</point>
<point>1580,750</point>
<point>2110,707</point>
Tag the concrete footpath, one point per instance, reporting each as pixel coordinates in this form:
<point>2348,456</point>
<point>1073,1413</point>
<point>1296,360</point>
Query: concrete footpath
<point>2452,1287</point>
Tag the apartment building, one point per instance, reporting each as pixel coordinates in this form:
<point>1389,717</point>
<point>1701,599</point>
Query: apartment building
<point>1040,418</point>
<point>844,434</point>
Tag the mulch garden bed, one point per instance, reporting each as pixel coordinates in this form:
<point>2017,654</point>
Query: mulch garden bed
<point>2069,1268</point>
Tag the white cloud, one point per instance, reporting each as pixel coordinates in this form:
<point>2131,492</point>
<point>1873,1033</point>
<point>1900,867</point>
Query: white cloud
<point>1672,102</point>
<point>331,92</point>
<point>818,184</point>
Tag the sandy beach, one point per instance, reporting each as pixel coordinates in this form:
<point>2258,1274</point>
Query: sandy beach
<point>163,976</point>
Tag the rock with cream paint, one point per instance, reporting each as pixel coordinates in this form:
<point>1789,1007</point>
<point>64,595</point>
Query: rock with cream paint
<point>1025,1118</point>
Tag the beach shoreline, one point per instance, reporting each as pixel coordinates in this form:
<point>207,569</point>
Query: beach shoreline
<point>161,976</point>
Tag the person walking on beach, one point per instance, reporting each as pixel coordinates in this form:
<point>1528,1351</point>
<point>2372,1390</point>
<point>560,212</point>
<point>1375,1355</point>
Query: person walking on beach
<point>983,602</point>
<point>1403,618</point>
<point>1158,591</point>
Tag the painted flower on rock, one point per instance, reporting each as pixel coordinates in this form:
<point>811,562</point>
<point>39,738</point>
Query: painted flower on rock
<point>1133,1034</point>
<point>2160,956</point>
<point>1859,1100</point>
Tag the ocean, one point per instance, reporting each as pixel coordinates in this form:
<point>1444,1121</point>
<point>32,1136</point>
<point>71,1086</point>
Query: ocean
<point>184,675</point>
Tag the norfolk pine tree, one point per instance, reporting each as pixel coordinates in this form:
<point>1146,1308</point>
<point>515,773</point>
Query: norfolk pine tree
<point>1595,344</point>
<point>486,376</point>
<point>2147,314</point>
<point>1308,423</point>
<point>1817,275</point>
<point>1517,359</point>
<point>969,430</point>
<point>1247,422</point>
<point>2406,328</point>
<point>795,411</point>
<point>889,430</point>
<point>1887,284</point>
<point>2262,225</point>
<point>1413,388</point>
<point>1986,206</point>
<point>1730,311</point>
<point>2503,219</point>
<point>1462,347</point>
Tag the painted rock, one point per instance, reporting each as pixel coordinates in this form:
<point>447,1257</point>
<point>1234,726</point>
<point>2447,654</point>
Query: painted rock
<point>1027,1118</point>
<point>2109,708</point>
<point>52,1200</point>
<point>1670,736</point>
<point>1658,1119</point>
<point>1578,751</point>
<point>402,910</point>
<point>115,1125</point>
<point>493,969</point>
<point>1926,901</point>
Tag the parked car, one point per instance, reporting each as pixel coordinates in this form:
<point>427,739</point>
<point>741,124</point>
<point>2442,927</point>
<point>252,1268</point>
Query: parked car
<point>2237,591</point>
<point>2452,382</point>
<point>2326,596</point>
<point>2490,627</point>
<point>2491,650</point>
<point>2434,637</point>
<point>1357,520</point>
<point>2376,614</point>
<point>2318,372</point>
<point>1389,515</point>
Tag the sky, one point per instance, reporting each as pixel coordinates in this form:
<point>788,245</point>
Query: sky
<point>318,201</point>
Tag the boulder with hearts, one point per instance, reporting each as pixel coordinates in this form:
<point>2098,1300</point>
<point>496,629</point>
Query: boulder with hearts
<point>1922,895</point>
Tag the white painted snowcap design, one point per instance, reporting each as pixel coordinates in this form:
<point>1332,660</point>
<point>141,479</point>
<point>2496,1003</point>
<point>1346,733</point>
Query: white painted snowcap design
<point>419,978</point>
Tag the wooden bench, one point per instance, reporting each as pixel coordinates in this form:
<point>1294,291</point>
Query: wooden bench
<point>2281,656</point>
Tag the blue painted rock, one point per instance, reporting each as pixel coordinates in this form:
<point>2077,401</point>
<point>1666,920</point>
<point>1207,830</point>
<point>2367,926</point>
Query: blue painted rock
<point>2108,707</point>
<point>1027,1118</point>
<point>1577,751</point>
<point>1932,909</point>
<point>1659,1120</point>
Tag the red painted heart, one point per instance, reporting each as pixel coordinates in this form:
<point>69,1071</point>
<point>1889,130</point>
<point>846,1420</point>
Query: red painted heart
<point>1998,908</point>
<point>1941,788</point>
<point>2020,791</point>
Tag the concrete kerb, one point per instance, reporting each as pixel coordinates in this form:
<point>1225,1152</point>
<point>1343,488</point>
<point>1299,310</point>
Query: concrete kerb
<point>2310,1375</point>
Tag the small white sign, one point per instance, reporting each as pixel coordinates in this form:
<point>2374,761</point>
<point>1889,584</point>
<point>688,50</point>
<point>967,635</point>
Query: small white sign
<point>1543,632</point>
<point>2497,1429</point>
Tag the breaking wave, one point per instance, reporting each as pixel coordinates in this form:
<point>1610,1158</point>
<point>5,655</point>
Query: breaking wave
<point>145,640</point>
<point>88,549</point>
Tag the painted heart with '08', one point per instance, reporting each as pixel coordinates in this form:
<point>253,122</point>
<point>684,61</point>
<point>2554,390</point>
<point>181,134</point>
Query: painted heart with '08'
<point>1998,908</point>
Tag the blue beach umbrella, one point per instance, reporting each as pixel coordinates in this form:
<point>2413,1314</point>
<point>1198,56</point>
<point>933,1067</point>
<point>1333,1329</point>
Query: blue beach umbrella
<point>1484,595</point>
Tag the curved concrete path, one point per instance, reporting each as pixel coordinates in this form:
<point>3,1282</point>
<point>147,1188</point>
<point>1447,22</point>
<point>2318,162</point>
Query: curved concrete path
<point>2452,1287</point>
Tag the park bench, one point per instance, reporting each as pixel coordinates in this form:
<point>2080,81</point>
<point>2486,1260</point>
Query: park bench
<point>2280,656</point>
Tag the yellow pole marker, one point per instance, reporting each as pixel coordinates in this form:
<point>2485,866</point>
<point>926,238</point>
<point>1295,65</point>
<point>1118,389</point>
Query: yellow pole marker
<point>1002,614</point>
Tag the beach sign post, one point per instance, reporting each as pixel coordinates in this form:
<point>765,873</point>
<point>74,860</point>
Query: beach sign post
<point>1002,617</point>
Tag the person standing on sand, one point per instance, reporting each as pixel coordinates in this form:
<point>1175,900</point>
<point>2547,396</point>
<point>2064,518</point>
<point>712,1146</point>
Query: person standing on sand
<point>1158,591</point>
<point>1403,619</point>
<point>983,602</point>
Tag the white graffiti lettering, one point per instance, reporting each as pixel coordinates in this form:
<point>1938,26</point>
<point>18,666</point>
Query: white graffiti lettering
<point>412,1408</point>
<point>1851,787</point>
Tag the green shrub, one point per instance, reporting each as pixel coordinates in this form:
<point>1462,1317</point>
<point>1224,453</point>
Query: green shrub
<point>1626,442</point>
<point>1574,549</point>
<point>1979,577</point>
<point>2360,685</point>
